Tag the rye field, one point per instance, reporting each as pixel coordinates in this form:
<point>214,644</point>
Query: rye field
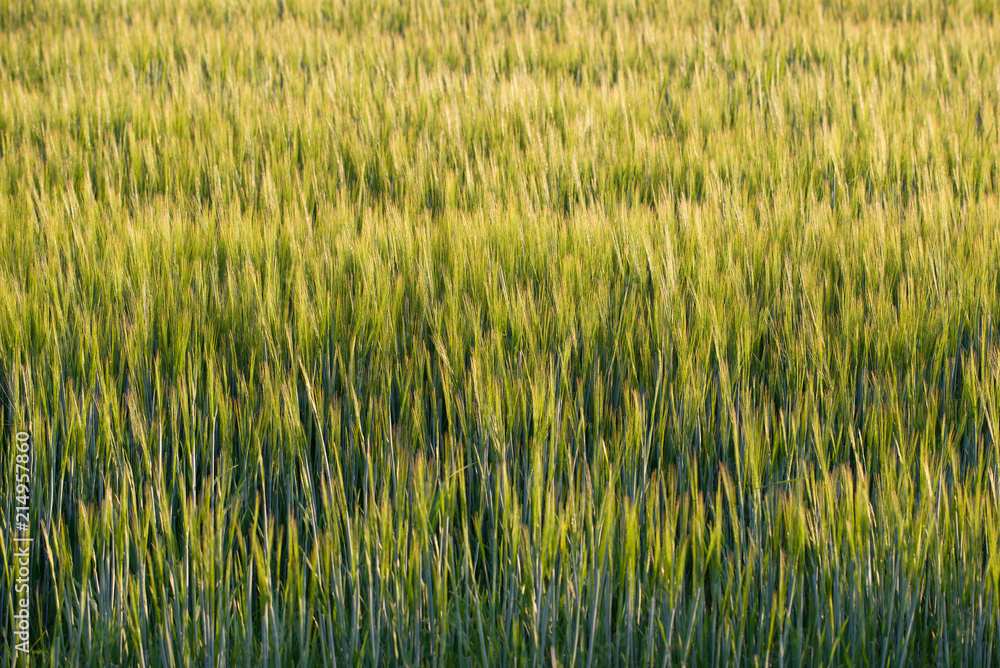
<point>515,332</point>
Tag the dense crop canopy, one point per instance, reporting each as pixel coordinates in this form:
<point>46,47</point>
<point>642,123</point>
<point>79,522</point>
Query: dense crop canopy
<point>558,332</point>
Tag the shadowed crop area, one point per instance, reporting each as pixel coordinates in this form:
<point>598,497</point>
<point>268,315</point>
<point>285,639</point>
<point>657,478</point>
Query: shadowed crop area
<point>555,332</point>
